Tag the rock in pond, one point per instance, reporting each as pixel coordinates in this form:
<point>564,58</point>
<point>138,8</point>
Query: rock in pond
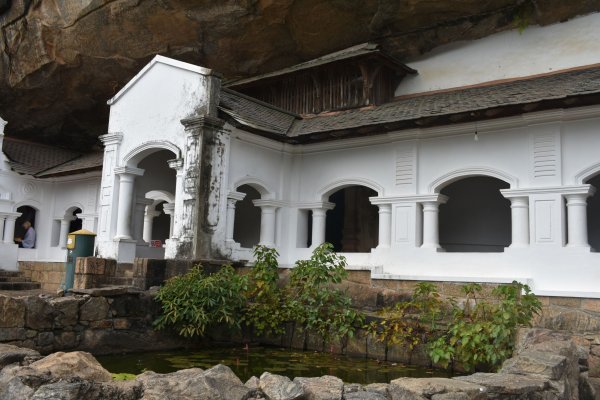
<point>321,388</point>
<point>277,387</point>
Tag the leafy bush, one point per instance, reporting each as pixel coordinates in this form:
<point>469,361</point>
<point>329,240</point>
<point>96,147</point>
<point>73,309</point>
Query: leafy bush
<point>193,302</point>
<point>314,303</point>
<point>482,333</point>
<point>409,323</point>
<point>267,310</point>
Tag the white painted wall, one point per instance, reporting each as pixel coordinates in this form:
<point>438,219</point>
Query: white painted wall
<point>505,55</point>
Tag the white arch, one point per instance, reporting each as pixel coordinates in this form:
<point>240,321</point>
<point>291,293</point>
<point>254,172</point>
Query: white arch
<point>161,195</point>
<point>587,173</point>
<point>72,207</point>
<point>140,152</point>
<point>324,193</point>
<point>262,187</point>
<point>31,203</point>
<point>453,176</point>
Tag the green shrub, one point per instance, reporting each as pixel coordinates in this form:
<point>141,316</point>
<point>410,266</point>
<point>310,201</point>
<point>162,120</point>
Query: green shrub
<point>266,310</point>
<point>315,304</point>
<point>409,323</point>
<point>481,334</point>
<point>193,302</point>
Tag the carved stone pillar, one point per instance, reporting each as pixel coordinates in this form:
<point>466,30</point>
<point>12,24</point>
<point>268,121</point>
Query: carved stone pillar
<point>319,223</point>
<point>385,226</point>
<point>65,222</point>
<point>577,219</point>
<point>232,199</point>
<point>9,227</point>
<point>139,219</point>
<point>268,210</point>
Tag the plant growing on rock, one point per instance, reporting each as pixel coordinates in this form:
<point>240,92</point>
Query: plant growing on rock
<point>314,301</point>
<point>482,333</point>
<point>267,310</point>
<point>193,302</point>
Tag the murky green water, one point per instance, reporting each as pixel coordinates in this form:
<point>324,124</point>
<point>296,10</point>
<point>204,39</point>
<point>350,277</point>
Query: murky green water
<point>256,360</point>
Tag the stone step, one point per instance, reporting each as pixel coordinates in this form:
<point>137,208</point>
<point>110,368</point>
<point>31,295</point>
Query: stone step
<point>19,285</point>
<point>9,273</point>
<point>14,279</point>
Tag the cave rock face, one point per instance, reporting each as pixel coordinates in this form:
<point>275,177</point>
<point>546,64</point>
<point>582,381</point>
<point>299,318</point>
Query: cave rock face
<point>61,60</point>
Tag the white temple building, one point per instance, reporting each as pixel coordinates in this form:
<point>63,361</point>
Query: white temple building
<point>476,162</point>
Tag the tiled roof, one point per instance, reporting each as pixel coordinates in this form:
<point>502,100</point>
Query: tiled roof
<point>363,49</point>
<point>36,159</point>
<point>456,101</point>
<point>255,114</point>
<point>551,87</point>
<point>83,163</point>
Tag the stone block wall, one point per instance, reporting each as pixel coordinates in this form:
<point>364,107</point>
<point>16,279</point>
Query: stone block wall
<point>100,322</point>
<point>49,274</point>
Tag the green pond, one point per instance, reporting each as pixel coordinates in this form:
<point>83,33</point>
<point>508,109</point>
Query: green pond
<point>256,360</point>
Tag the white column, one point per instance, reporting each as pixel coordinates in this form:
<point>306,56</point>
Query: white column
<point>177,224</point>
<point>9,228</point>
<point>268,209</point>
<point>126,189</point>
<point>520,221</point>
<point>169,208</point>
<point>139,219</point>
<point>148,221</point>
<point>577,220</point>
<point>431,231</point>
<point>385,226</point>
<point>64,231</point>
<point>232,199</point>
<point>319,223</point>
<point>2,219</point>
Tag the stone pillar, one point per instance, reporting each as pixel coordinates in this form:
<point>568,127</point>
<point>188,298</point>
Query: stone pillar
<point>169,208</point>
<point>64,231</point>
<point>431,231</point>
<point>148,221</point>
<point>268,209</point>
<point>319,223</point>
<point>577,220</point>
<point>232,199</point>
<point>385,226</point>
<point>2,219</point>
<point>139,212</point>
<point>9,227</point>
<point>520,221</point>
<point>126,190</point>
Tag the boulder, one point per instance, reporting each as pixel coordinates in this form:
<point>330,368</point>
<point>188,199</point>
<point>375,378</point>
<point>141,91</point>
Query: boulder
<point>380,388</point>
<point>498,385</point>
<point>277,387</point>
<point>76,389</point>
<point>589,388</point>
<point>75,364</point>
<point>252,383</point>
<point>551,366</point>
<point>353,388</point>
<point>365,396</point>
<point>217,383</point>
<point>418,388</point>
<point>12,354</point>
<point>321,388</point>
<point>226,382</point>
<point>183,384</point>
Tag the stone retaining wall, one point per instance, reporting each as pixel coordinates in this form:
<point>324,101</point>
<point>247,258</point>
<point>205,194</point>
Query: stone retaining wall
<point>106,321</point>
<point>49,274</point>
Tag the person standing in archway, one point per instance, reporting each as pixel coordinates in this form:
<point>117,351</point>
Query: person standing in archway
<point>28,240</point>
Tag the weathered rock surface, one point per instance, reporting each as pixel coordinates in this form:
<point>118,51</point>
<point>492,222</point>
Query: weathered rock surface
<point>365,396</point>
<point>498,385</point>
<point>276,387</point>
<point>321,388</point>
<point>217,383</point>
<point>12,354</point>
<point>74,364</point>
<point>61,60</point>
<point>425,388</point>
